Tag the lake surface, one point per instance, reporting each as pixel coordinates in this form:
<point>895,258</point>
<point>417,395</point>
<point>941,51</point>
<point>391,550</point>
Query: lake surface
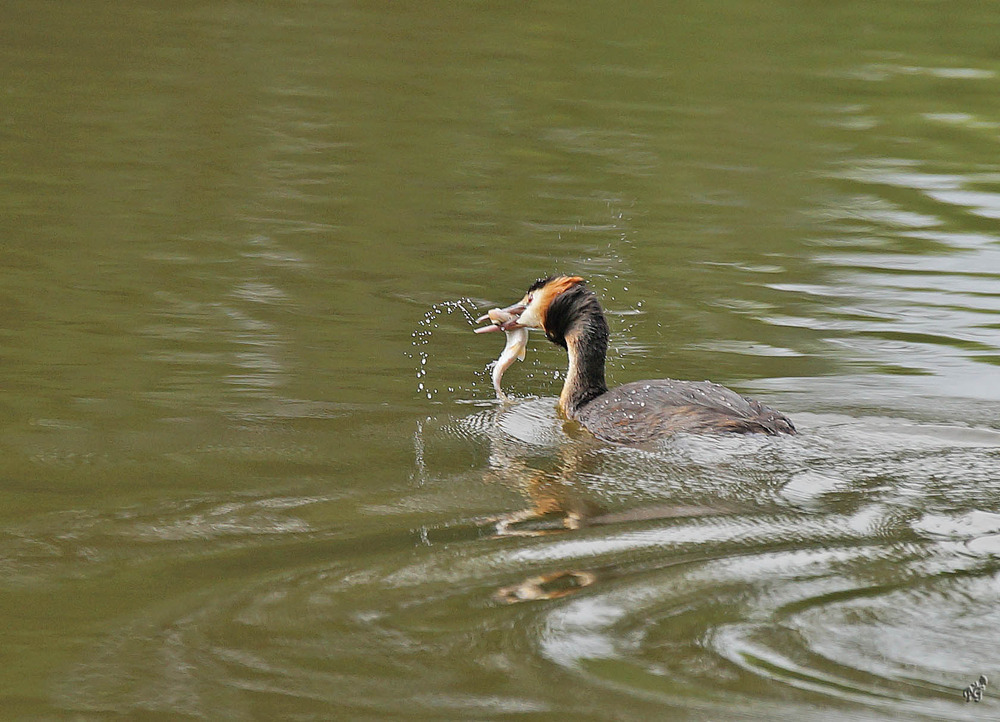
<point>252,464</point>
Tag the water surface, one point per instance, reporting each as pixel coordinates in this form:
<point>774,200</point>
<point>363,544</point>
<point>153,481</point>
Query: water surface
<point>252,464</point>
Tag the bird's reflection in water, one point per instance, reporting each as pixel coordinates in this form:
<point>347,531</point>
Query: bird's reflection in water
<point>547,586</point>
<point>556,503</point>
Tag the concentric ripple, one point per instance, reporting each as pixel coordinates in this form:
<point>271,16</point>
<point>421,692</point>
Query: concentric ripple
<point>738,579</point>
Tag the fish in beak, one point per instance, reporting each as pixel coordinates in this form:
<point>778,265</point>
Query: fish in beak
<point>501,319</point>
<point>505,319</point>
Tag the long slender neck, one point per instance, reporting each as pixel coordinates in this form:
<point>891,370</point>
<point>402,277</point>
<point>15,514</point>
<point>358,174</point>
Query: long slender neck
<point>587,346</point>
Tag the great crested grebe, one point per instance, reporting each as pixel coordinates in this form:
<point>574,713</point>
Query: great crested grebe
<point>571,316</point>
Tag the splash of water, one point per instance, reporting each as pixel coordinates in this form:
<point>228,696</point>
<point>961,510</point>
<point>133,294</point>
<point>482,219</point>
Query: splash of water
<point>421,338</point>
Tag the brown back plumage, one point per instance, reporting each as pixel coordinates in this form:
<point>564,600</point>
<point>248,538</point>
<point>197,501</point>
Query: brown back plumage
<point>646,410</point>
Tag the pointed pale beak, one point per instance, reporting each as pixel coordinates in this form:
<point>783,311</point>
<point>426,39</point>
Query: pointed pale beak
<point>501,319</point>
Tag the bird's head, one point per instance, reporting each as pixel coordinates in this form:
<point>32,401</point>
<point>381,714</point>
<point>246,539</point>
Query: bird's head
<point>533,310</point>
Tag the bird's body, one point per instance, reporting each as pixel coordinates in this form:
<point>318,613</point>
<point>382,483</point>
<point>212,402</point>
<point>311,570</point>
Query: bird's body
<point>571,316</point>
<point>647,410</point>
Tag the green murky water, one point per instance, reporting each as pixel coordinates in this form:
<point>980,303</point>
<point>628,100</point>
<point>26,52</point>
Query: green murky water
<point>251,463</point>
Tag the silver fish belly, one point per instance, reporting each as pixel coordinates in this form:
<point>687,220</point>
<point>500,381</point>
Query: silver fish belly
<point>517,344</point>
